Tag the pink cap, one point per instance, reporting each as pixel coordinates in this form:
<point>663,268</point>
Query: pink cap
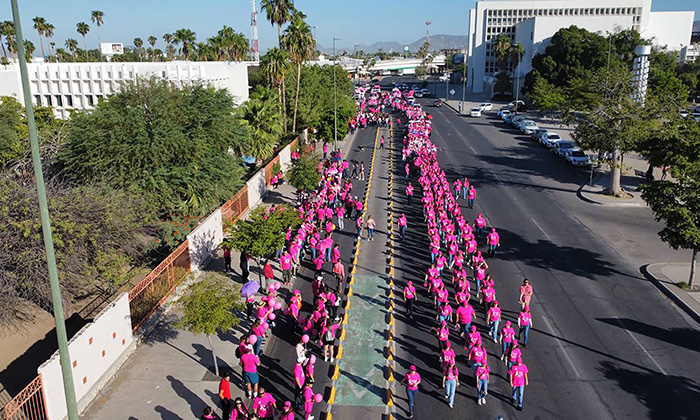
<point>412,368</point>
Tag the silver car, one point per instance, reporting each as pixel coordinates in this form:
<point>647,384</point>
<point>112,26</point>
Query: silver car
<point>577,157</point>
<point>527,126</point>
<point>550,139</point>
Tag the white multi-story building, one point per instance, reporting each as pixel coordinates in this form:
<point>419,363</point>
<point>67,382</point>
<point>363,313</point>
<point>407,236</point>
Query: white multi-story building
<point>69,86</point>
<point>534,22</point>
<point>690,53</point>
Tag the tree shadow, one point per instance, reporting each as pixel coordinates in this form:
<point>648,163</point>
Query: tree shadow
<point>681,337</point>
<point>666,396</point>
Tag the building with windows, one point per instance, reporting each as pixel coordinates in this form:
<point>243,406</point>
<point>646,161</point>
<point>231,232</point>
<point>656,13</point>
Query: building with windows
<point>69,86</point>
<point>690,53</point>
<point>534,22</point>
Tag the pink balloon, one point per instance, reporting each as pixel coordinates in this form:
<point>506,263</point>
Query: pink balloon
<point>253,339</point>
<point>272,317</point>
<point>305,338</point>
<point>278,306</point>
<point>312,359</point>
<point>277,285</point>
<point>271,287</point>
<point>318,398</point>
<point>271,303</point>
<point>266,325</point>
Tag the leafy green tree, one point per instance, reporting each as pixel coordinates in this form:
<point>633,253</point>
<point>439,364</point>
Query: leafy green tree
<point>8,29</point>
<point>545,96</point>
<point>300,44</point>
<point>262,115</point>
<point>304,173</point>
<point>186,38</point>
<point>275,65</point>
<point>262,233</point>
<point>208,308</point>
<point>172,145</point>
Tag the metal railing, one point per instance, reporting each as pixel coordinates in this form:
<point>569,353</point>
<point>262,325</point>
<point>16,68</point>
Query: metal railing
<point>235,207</point>
<point>147,296</point>
<point>29,404</point>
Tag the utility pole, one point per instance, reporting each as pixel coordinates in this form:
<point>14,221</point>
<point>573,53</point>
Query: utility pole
<point>62,337</point>
<point>335,99</point>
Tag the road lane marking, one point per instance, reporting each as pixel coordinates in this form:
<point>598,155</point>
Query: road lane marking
<point>540,228</point>
<point>619,321</point>
<point>472,149</point>
<point>561,347</point>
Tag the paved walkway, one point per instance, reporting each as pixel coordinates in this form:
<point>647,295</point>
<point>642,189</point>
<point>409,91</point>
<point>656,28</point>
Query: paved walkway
<point>666,276</point>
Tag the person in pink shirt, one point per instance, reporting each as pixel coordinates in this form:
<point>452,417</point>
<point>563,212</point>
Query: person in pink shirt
<point>450,382</point>
<point>409,297</point>
<point>493,317</point>
<point>458,187</point>
<point>494,241</point>
<point>488,295</point>
<point>471,196</point>
<point>335,254</point>
<point>447,355</point>
<point>473,339</point>
<point>287,413</point>
<point>286,265</point>
<point>325,150</point>
<point>318,264</point>
<point>514,353</point>
<point>308,395</point>
<point>250,362</point>
<point>339,272</point>
<point>477,357</point>
<point>402,225</point>
<point>479,224</point>
<point>264,405</point>
<point>443,334</point>
<point>507,336</point>
<point>482,382</point>
<point>518,381</point>
<point>525,323</point>
<point>299,381</point>
<point>412,380</point>
<point>328,332</point>
<point>409,193</point>
<point>340,214</point>
<point>464,317</point>
<point>525,294</point>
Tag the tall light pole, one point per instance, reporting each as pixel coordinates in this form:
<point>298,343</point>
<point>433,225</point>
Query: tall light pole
<point>61,336</point>
<point>335,99</point>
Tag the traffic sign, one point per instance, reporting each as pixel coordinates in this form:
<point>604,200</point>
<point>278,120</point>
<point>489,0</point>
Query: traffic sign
<point>406,48</point>
<point>452,91</point>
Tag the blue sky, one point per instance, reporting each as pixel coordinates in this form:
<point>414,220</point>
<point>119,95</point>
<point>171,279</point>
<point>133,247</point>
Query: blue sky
<point>364,22</point>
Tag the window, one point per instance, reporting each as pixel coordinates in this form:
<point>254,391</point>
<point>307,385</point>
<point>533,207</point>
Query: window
<point>67,74</point>
<point>59,100</point>
<point>48,100</point>
<point>69,101</point>
<point>119,74</point>
<point>37,100</point>
<point>90,100</point>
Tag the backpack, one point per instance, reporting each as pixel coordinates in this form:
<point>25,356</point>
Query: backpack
<point>329,336</point>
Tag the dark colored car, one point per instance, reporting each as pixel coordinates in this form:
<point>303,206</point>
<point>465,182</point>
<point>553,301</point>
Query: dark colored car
<point>437,103</point>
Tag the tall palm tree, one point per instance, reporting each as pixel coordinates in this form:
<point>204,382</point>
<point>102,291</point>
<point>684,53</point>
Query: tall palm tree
<point>301,45</point>
<point>97,17</point>
<point>279,12</point>
<point>187,38</point>
<point>216,45</point>
<point>261,114</point>
<point>40,26</point>
<point>48,33</point>
<point>72,45</point>
<point>168,38</point>
<point>235,44</point>
<point>83,28</point>
<point>152,40</point>
<point>138,43</point>
<point>28,50</point>
<point>9,31</point>
<point>275,65</point>
<point>502,50</point>
<point>4,31</point>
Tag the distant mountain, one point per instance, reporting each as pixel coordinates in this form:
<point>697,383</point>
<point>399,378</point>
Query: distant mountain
<point>437,42</point>
<point>696,26</point>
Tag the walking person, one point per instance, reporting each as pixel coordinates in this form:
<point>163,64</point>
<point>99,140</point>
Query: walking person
<point>450,381</point>
<point>287,412</point>
<point>409,193</point>
<point>358,225</point>
<point>471,196</point>
<point>268,274</point>
<point>494,241</point>
<point>299,381</point>
<point>227,258</point>
<point>340,214</point>
<point>286,265</point>
<point>409,296</point>
<point>362,170</point>
<point>518,382</point>
<point>381,143</point>
<point>250,363</point>
<point>239,411</point>
<point>325,150</point>
<point>264,405</point>
<point>370,224</point>
<point>411,381</point>
<point>353,175</point>
<point>339,273</point>
<point>525,324</point>
<point>482,383</point>
<point>507,335</point>
<point>225,396</point>
<point>245,266</point>
<point>525,294</point>
<point>493,317</point>
<point>402,225</point>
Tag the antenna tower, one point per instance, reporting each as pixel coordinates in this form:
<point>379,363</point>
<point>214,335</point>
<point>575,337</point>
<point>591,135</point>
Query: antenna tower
<point>254,47</point>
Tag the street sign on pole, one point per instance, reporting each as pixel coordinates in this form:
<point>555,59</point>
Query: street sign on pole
<point>452,91</point>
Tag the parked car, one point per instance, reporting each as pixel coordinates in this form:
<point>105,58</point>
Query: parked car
<point>437,103</point>
<point>486,106</point>
<point>561,148</point>
<point>426,92</point>
<point>513,122</point>
<point>550,139</point>
<point>418,94</point>
<point>444,77</point>
<point>527,126</point>
<point>503,112</point>
<point>475,112</point>
<point>537,133</point>
<point>577,157</point>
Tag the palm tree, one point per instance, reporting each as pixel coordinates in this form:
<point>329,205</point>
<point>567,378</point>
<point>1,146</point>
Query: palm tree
<point>72,45</point>
<point>97,17</point>
<point>216,44</point>
<point>152,40</point>
<point>186,37</point>
<point>48,33</point>
<point>279,12</point>
<point>502,50</point>
<point>9,31</point>
<point>40,26</point>
<point>261,114</point>
<point>138,43</point>
<point>5,31</point>
<point>300,43</point>
<point>168,38</point>
<point>83,28</point>
<point>275,65</point>
<point>28,50</point>
<point>234,43</point>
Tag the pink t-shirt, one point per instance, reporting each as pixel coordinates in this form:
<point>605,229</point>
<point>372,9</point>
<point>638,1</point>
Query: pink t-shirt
<point>482,372</point>
<point>465,314</point>
<point>412,380</point>
<point>250,362</point>
<point>410,292</point>
<point>263,405</point>
<point>299,377</point>
<point>478,355</point>
<point>286,261</point>
<point>494,313</point>
<point>525,318</point>
<point>517,372</point>
<point>493,238</point>
<point>508,333</point>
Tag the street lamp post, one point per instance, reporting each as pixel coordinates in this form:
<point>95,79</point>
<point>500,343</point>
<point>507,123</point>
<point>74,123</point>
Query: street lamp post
<point>335,99</point>
<point>61,336</point>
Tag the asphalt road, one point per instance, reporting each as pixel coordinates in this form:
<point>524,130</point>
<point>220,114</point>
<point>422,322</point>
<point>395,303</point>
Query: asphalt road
<point>605,344</point>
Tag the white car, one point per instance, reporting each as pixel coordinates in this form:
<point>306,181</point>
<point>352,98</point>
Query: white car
<point>527,126</point>
<point>486,106</point>
<point>561,148</point>
<point>576,157</point>
<point>550,139</point>
<point>444,77</point>
<point>475,112</point>
<point>418,94</point>
<point>502,113</point>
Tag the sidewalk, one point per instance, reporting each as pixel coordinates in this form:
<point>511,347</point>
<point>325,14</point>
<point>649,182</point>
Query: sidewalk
<point>665,276</point>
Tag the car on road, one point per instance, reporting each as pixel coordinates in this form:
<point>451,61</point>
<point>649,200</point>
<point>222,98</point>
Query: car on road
<point>444,77</point>
<point>527,126</point>
<point>577,157</point>
<point>418,94</point>
<point>514,120</point>
<point>537,133</point>
<point>550,139</point>
<point>561,148</point>
<point>426,92</point>
<point>437,103</point>
<point>475,112</point>
<point>486,106</point>
<point>503,112</point>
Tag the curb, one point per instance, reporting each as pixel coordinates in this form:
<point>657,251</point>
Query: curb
<point>668,291</point>
<point>581,196</point>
